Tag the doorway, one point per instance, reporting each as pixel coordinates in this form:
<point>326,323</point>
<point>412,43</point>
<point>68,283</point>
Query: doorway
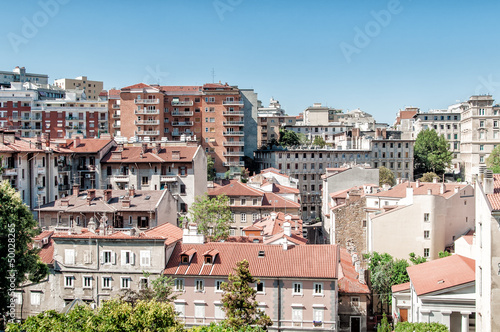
<point>355,324</point>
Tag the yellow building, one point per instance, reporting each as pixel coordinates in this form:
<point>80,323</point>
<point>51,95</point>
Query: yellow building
<point>91,88</point>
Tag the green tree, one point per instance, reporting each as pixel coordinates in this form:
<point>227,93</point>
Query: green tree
<point>211,174</point>
<point>224,327</point>
<point>417,259</point>
<point>420,327</point>
<point>19,261</point>
<point>431,153</point>
<point>238,299</point>
<point>288,138</point>
<point>443,254</point>
<point>319,141</point>
<point>161,289</point>
<point>386,176</point>
<point>212,215</point>
<point>384,325</point>
<point>493,160</point>
<point>303,139</point>
<point>428,177</point>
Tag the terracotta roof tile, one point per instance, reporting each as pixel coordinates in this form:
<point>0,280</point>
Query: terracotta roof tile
<point>348,277</point>
<point>293,238</point>
<point>235,188</point>
<point>401,287</point>
<point>399,191</point>
<point>132,154</point>
<point>47,252</point>
<point>310,261</point>
<point>88,145</point>
<point>495,197</point>
<point>442,273</point>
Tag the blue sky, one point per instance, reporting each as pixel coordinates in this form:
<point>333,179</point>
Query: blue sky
<point>379,56</point>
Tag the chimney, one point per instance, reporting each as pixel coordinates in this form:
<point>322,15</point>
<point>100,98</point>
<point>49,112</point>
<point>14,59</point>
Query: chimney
<point>457,189</point>
<point>89,200</point>
<point>64,202</point>
<point>91,194</point>
<point>285,244</point>
<point>429,191</point>
<point>417,183</point>
<point>126,202</point>
<point>287,228</point>
<point>108,193</point>
<point>144,147</point>
<point>190,235</point>
<point>489,185</point>
<point>76,142</point>
<point>1,137</point>
<point>76,190</point>
<point>442,188</point>
<point>176,155</point>
<point>131,191</point>
<point>435,179</point>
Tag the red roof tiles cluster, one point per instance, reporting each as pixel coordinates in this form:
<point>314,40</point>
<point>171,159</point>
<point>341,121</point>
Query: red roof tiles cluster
<point>348,277</point>
<point>399,191</point>
<point>134,154</point>
<point>494,198</point>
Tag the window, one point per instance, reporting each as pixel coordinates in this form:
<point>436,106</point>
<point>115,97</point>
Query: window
<point>107,257</point>
<point>355,302</point>
<point>179,285</point>
<point>426,234</point>
<point>125,282</point>
<point>35,298</point>
<point>243,201</point>
<point>255,217</point>
<point>87,282</point>
<point>218,312</point>
<point>68,282</point>
<point>260,287</point>
<point>145,181</point>
<point>218,285</point>
<point>297,316</point>
<point>297,288</point>
<point>199,311</point>
<point>127,257</point>
<point>426,217</point>
<point>145,258</point>
<point>318,288</point>
<point>106,282</point>
<point>318,314</point>
<point>243,217</point>
<point>481,123</point>
<point>254,201</point>
<point>144,283</point>
<point>69,256</point>
<point>426,252</point>
<point>199,285</point>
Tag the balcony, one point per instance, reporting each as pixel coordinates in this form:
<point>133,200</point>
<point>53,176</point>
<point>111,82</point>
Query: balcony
<point>182,103</point>
<point>185,123</point>
<point>234,154</point>
<point>147,101</point>
<point>25,127</point>
<point>233,133</point>
<point>120,178</point>
<point>237,143</point>
<point>75,127</point>
<point>147,122</point>
<point>116,106</point>
<point>10,171</point>
<point>233,113</point>
<point>233,103</point>
<point>176,133</point>
<point>233,163</point>
<point>168,178</point>
<point>63,187</point>
<point>148,133</point>
<point>233,123</point>
<point>115,116</point>
<point>73,118</point>
<point>116,125</point>
<point>177,113</point>
<point>63,168</point>
<point>142,112</point>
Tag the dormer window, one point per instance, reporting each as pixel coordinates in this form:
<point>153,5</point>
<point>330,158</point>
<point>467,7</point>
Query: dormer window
<point>208,259</point>
<point>184,259</point>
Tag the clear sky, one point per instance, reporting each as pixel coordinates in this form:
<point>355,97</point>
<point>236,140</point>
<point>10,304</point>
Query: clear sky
<point>379,56</point>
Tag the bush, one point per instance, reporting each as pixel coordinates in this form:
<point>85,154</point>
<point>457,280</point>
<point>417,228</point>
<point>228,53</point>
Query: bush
<point>420,327</point>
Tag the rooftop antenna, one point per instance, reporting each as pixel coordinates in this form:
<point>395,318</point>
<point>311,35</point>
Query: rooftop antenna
<point>213,75</point>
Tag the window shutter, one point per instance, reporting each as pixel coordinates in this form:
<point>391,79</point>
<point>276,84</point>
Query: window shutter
<point>113,257</point>
<point>123,258</point>
<point>102,257</point>
<point>132,258</point>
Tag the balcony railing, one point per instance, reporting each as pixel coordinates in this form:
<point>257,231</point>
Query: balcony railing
<point>147,122</point>
<point>116,106</point>
<point>233,163</point>
<point>233,102</point>
<point>233,113</point>
<point>233,133</point>
<point>116,125</point>
<point>233,123</point>
<point>237,143</point>
<point>120,178</point>
<point>168,178</point>
<point>73,118</point>
<point>182,103</point>
<point>147,101</point>
<point>234,154</point>
<point>177,113</point>
<point>115,116</point>
<point>177,133</point>
<point>155,111</point>
<point>148,133</point>
<point>10,171</point>
<point>185,123</point>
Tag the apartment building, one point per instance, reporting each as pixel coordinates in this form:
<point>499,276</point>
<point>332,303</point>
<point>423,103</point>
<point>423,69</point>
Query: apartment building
<point>113,98</point>
<point>118,209</point>
<point>298,285</point>
<point>487,237</point>
<point>180,167</point>
<point>419,217</point>
<point>94,265</point>
<point>249,204</point>
<point>20,75</point>
<point>391,151</point>
<point>270,119</point>
<point>317,114</point>
<point>480,132</point>
<point>92,89</point>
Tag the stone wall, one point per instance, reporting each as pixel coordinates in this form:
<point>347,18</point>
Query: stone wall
<point>349,225</point>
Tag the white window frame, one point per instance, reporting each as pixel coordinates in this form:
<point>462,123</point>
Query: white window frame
<point>141,283</point>
<point>218,311</point>
<point>69,256</point>
<point>69,281</point>
<point>297,315</point>
<point>199,310</point>
<point>18,296</point>
<point>131,258</point>
<point>318,289</point>
<point>180,308</point>
<point>145,258</point>
<point>125,282</point>
<point>35,298</point>
<point>179,285</point>
<point>110,281</point>
<point>199,285</point>
<point>243,217</point>
<point>84,278</point>
<point>318,315</point>
<point>355,301</point>
<point>218,286</point>
<point>295,286</point>
<point>428,253</point>
<point>255,217</point>
<point>112,258</point>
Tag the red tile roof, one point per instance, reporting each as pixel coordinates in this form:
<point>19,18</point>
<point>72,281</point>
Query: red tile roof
<point>136,86</point>
<point>401,287</point>
<point>294,238</point>
<point>399,191</point>
<point>132,154</point>
<point>47,252</point>
<point>495,197</point>
<point>442,273</point>
<point>114,93</point>
<point>348,277</point>
<point>272,227</point>
<point>235,188</point>
<point>276,201</point>
<point>279,189</point>
<point>88,145</point>
<point>310,261</point>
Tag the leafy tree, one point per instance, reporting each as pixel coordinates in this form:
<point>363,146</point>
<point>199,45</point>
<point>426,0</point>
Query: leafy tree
<point>319,141</point>
<point>303,139</point>
<point>211,174</point>
<point>19,261</point>
<point>224,327</point>
<point>384,325</point>
<point>386,176</point>
<point>493,160</point>
<point>428,177</point>
<point>238,299</point>
<point>161,290</point>
<point>212,215</point>
<point>431,153</point>
<point>273,142</point>
<point>420,327</point>
<point>288,138</point>
<point>417,259</point>
<point>443,254</point>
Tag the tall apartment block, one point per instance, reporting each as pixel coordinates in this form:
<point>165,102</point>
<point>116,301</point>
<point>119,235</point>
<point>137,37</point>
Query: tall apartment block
<point>20,75</point>
<point>270,119</point>
<point>480,127</point>
<point>92,89</point>
<point>212,114</point>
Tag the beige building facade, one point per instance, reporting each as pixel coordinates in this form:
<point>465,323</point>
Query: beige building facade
<point>92,89</point>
